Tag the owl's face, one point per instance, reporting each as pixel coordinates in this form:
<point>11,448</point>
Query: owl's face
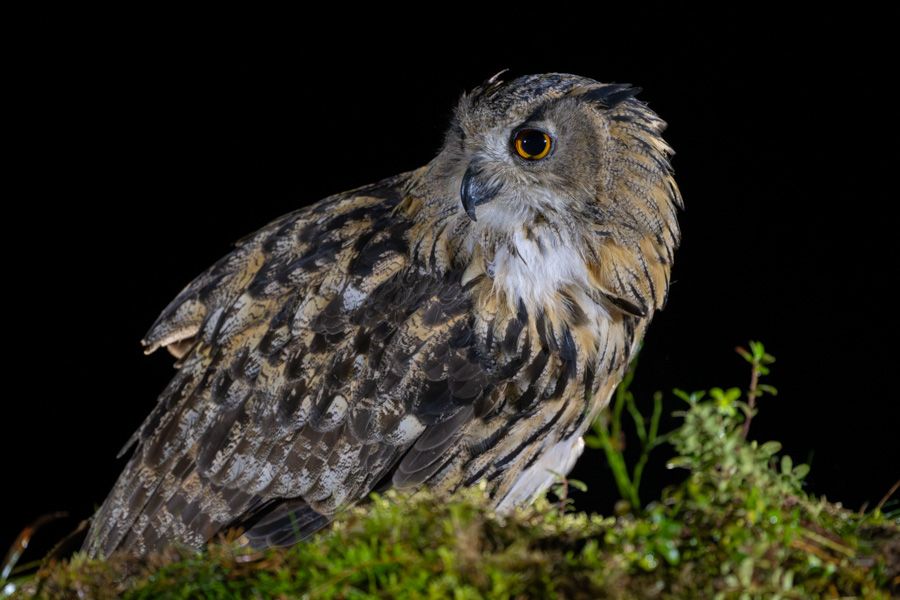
<point>528,151</point>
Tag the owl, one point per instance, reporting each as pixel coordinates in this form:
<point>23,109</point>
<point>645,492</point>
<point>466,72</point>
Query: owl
<point>460,323</point>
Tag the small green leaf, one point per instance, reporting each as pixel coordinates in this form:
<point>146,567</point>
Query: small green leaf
<point>769,448</point>
<point>787,582</point>
<point>578,485</point>
<point>786,464</point>
<point>758,350</point>
<point>691,398</point>
<point>680,462</point>
<point>745,572</point>
<point>801,471</point>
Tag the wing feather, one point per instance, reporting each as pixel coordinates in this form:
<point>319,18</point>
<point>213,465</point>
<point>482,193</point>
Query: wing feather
<point>317,366</point>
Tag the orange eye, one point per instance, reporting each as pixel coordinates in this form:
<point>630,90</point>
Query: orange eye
<point>532,144</point>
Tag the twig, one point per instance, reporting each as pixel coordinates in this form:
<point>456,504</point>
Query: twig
<point>751,394</point>
<point>801,545</point>
<point>564,496</point>
<point>21,542</point>
<point>758,358</point>
<point>888,495</point>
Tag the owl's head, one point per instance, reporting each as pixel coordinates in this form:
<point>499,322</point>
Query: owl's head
<point>559,146</point>
<point>560,181</point>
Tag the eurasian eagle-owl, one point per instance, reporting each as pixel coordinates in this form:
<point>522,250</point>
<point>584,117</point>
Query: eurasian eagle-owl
<point>462,322</point>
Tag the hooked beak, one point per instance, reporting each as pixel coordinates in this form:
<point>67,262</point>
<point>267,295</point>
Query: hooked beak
<point>474,190</point>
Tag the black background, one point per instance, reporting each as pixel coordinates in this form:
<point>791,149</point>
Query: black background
<point>145,145</point>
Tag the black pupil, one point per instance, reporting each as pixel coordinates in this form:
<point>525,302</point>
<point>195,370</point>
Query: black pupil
<point>532,142</point>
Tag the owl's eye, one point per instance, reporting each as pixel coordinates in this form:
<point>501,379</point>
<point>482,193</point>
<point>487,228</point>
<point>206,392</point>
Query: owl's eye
<point>532,144</point>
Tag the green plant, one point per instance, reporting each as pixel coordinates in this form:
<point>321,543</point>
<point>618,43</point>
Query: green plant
<point>607,434</point>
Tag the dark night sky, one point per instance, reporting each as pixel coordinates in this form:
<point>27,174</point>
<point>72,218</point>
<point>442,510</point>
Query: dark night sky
<point>145,151</point>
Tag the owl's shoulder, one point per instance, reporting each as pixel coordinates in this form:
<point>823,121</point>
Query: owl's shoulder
<point>353,236</point>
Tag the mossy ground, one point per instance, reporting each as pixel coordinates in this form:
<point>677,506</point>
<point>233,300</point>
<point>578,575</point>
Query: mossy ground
<point>739,527</point>
<point>421,547</point>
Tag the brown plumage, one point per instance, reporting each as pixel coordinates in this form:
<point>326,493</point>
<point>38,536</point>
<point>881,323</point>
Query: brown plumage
<point>462,322</point>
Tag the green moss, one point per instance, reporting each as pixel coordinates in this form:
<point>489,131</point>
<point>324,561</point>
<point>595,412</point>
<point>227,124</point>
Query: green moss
<point>739,527</point>
<point>724,545</point>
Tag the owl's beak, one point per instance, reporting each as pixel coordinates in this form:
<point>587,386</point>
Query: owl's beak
<point>474,190</point>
